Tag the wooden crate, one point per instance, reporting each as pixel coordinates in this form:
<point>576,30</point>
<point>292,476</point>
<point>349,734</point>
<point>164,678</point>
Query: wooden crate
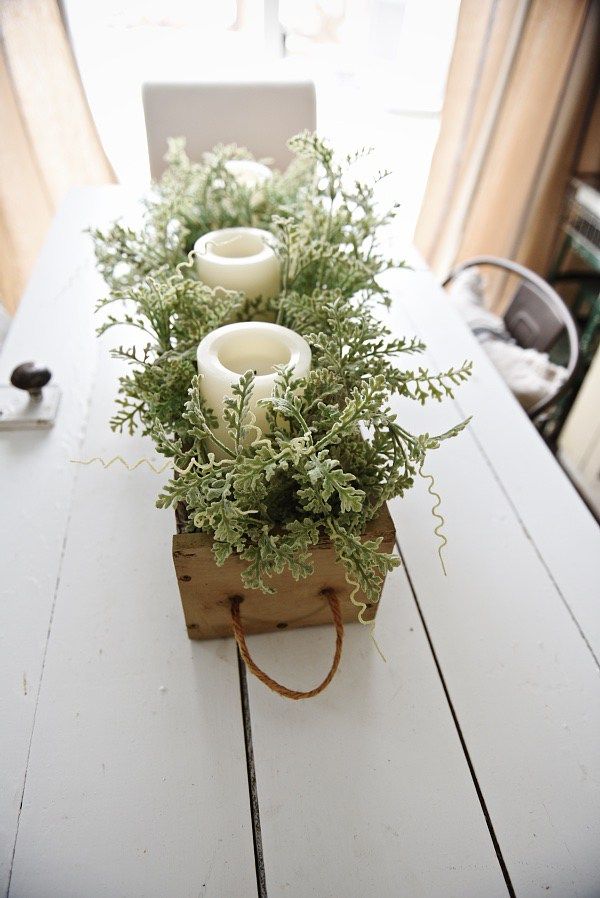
<point>206,590</point>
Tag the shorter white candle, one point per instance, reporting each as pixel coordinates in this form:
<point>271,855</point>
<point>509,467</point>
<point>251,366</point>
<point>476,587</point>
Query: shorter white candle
<point>239,259</point>
<point>249,173</point>
<point>229,351</point>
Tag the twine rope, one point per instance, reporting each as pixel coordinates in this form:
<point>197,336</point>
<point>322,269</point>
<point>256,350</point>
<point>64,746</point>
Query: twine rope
<point>240,638</point>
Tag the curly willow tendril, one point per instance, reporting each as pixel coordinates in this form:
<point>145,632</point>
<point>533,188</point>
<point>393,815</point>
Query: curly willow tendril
<point>118,459</point>
<point>436,514</point>
<point>362,606</point>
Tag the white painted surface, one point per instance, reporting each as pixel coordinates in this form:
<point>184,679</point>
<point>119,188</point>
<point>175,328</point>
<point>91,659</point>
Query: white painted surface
<point>80,754</point>
<point>561,528</point>
<point>365,790</point>
<point>522,547</point>
<point>521,677</point>
<point>137,775</point>
<point>134,790</point>
<point>54,325</point>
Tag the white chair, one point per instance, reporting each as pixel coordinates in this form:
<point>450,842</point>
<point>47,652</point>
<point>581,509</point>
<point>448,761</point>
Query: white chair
<point>259,115</point>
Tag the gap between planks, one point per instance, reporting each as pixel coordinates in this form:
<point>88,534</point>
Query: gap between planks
<point>463,743</point>
<point>470,432</point>
<point>261,882</point>
<point>529,537</point>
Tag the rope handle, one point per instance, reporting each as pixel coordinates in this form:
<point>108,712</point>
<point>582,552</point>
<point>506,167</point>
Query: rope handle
<point>240,638</point>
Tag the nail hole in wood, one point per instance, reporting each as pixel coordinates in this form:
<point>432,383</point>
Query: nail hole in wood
<point>282,625</point>
<point>185,578</point>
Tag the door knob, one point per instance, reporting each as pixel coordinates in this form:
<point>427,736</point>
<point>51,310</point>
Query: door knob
<point>31,377</point>
<point>30,401</point>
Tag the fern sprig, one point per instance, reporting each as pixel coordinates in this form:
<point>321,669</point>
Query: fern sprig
<point>333,449</point>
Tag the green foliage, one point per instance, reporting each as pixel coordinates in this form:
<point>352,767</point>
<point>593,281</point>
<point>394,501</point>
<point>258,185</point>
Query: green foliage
<point>334,450</point>
<point>190,200</point>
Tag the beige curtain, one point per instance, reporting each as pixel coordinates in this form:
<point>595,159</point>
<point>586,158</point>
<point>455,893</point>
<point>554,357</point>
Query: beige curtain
<point>48,141</point>
<point>520,89</point>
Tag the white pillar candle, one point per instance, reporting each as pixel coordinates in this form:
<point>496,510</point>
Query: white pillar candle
<point>229,351</point>
<point>239,259</point>
<point>249,173</point>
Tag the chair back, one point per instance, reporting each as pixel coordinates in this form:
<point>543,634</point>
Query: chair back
<point>535,317</point>
<point>531,321</point>
<point>258,115</point>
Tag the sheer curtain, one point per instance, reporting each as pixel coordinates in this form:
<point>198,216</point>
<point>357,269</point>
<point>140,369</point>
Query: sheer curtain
<point>49,141</point>
<point>520,90</point>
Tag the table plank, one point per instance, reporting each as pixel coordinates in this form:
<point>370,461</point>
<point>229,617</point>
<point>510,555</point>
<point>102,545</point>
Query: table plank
<point>507,622</point>
<point>535,485</point>
<point>360,789</point>
<point>53,325</point>
<point>137,780</point>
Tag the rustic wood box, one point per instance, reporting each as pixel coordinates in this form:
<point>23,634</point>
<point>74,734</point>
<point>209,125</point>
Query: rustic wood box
<point>206,590</point>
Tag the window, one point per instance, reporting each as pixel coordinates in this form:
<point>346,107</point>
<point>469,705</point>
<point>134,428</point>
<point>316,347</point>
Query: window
<point>379,66</point>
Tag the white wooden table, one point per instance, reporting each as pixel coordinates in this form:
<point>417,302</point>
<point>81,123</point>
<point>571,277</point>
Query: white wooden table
<point>137,763</point>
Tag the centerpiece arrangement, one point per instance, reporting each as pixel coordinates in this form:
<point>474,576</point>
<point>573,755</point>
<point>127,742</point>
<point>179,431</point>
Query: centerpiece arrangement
<point>264,372</point>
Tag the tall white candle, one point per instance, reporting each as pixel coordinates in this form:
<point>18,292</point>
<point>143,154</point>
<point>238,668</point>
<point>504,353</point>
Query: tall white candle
<point>229,351</point>
<point>249,173</point>
<point>239,259</point>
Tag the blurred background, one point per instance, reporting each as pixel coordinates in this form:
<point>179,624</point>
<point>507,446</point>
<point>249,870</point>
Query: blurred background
<point>379,67</point>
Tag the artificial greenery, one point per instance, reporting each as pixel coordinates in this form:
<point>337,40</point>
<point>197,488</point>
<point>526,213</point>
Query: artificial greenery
<point>335,450</point>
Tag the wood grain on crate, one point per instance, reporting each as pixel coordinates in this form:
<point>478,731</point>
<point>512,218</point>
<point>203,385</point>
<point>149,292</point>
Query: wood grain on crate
<point>206,589</point>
